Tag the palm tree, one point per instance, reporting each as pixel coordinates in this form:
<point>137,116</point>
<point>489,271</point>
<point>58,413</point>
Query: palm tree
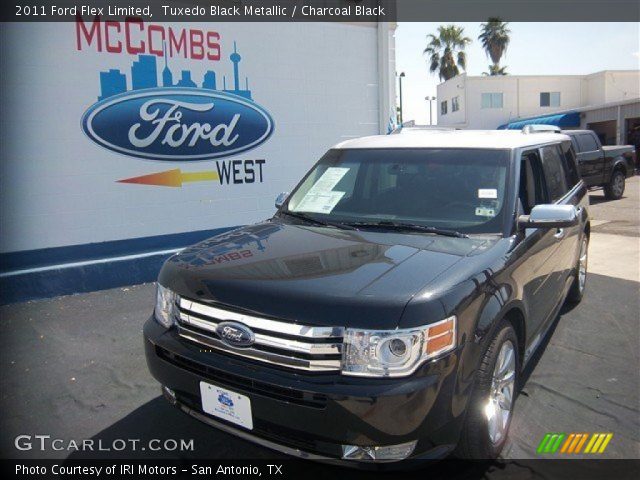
<point>496,70</point>
<point>495,40</point>
<point>446,51</point>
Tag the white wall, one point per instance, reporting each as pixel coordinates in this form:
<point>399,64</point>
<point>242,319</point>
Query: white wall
<point>621,86</point>
<point>521,95</point>
<point>319,82</point>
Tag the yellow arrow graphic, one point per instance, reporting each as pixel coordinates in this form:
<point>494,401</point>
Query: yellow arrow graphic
<point>172,178</point>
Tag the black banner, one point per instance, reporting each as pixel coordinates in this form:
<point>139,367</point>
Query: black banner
<point>324,10</point>
<point>300,469</point>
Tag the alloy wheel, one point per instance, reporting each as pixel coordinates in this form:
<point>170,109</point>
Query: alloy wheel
<point>498,409</point>
<point>582,265</point>
<point>618,184</point>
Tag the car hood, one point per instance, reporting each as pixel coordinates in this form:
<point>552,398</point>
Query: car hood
<point>314,275</point>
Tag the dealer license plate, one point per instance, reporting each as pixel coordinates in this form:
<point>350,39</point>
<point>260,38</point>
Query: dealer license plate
<point>226,404</point>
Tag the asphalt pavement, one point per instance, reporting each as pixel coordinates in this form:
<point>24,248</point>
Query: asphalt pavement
<point>73,367</point>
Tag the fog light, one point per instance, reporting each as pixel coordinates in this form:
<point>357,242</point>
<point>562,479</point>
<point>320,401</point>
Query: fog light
<point>386,453</point>
<point>170,395</point>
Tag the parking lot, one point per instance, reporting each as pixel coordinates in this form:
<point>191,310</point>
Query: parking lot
<point>73,367</point>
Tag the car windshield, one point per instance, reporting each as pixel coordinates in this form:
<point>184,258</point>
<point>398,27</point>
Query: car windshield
<point>456,189</point>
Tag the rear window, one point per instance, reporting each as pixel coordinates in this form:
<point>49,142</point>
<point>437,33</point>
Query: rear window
<point>586,142</point>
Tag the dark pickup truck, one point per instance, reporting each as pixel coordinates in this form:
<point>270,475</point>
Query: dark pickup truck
<point>387,310</point>
<point>602,166</point>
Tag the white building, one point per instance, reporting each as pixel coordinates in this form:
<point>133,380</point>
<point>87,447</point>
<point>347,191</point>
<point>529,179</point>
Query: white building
<point>123,142</point>
<point>607,102</point>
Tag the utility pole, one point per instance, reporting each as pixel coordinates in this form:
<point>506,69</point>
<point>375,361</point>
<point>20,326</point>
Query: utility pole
<point>430,99</point>
<point>401,76</point>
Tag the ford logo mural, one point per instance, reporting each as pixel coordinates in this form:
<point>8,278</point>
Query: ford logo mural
<point>177,124</point>
<point>235,334</point>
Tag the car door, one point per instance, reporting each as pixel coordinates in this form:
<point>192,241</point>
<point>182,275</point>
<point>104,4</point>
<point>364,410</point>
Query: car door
<point>537,270</point>
<point>591,158</point>
<point>563,189</point>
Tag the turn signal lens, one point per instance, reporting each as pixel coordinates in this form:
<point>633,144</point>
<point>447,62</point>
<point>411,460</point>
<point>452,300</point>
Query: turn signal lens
<point>441,337</point>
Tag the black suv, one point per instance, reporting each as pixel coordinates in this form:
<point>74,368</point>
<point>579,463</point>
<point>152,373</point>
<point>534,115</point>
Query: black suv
<point>388,308</point>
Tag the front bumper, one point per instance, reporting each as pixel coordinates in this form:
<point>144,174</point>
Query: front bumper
<point>313,415</point>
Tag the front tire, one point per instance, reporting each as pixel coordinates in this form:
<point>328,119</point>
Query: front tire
<point>485,430</point>
<point>580,273</point>
<point>615,188</point>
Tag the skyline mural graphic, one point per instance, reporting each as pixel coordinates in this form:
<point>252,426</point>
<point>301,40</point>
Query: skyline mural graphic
<point>144,74</point>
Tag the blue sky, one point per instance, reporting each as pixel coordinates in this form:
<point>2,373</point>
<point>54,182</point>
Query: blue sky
<point>535,49</point>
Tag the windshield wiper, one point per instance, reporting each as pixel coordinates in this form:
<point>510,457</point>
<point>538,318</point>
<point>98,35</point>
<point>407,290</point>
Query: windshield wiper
<point>315,221</point>
<point>410,226</point>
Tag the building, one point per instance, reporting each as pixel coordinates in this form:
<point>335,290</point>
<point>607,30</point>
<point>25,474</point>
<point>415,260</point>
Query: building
<point>77,214</point>
<point>143,72</point>
<point>112,83</point>
<point>607,102</point>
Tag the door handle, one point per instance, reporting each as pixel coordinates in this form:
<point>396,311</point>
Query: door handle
<point>559,233</point>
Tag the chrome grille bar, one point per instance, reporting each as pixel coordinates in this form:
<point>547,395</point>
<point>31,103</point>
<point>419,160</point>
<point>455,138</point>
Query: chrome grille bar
<point>276,342</point>
<point>269,357</point>
<point>261,323</point>
<point>268,340</point>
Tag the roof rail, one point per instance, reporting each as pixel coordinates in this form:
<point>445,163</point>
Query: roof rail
<point>527,129</point>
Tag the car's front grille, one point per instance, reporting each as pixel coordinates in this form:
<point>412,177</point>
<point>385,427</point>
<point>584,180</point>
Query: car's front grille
<point>285,344</point>
<point>243,384</point>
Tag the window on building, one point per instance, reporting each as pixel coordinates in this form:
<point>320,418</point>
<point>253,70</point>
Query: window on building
<point>443,107</point>
<point>491,100</point>
<point>549,99</point>
<point>455,104</point>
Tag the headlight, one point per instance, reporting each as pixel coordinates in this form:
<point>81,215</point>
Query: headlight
<point>395,353</point>
<point>165,306</point>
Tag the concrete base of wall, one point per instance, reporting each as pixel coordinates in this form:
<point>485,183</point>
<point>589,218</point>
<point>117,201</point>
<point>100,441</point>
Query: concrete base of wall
<point>51,272</point>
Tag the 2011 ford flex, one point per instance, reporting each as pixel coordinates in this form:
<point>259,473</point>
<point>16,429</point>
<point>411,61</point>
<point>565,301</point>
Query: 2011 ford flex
<point>388,308</point>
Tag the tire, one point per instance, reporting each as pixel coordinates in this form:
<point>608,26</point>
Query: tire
<point>580,273</point>
<point>476,441</point>
<point>615,188</point>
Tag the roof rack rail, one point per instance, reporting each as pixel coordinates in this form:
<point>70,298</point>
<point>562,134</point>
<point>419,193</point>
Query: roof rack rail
<point>527,129</point>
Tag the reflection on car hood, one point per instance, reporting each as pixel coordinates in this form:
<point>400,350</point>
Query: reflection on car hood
<point>314,275</point>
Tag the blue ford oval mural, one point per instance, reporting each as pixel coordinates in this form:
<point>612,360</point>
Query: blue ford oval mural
<point>177,124</point>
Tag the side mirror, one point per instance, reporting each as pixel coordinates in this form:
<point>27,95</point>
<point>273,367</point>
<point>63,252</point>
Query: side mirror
<point>549,216</point>
<point>281,198</point>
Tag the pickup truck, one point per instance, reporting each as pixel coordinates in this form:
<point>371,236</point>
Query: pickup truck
<point>387,310</point>
<point>603,166</point>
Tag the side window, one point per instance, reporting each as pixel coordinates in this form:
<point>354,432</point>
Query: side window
<point>570,164</point>
<point>587,143</point>
<point>554,172</point>
<point>532,184</point>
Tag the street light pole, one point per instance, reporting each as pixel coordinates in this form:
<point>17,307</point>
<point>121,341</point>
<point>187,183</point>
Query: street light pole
<point>429,99</point>
<point>401,76</point>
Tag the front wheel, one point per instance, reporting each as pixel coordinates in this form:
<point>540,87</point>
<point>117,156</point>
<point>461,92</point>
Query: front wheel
<point>580,274</point>
<point>615,188</point>
<point>485,431</point>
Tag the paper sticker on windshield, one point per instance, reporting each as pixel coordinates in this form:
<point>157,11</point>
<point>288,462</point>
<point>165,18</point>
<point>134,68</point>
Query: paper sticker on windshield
<point>320,202</point>
<point>327,181</point>
<point>485,212</point>
<point>487,193</point>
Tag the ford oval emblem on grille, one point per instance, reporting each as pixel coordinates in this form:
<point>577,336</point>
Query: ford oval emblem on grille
<point>235,334</point>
